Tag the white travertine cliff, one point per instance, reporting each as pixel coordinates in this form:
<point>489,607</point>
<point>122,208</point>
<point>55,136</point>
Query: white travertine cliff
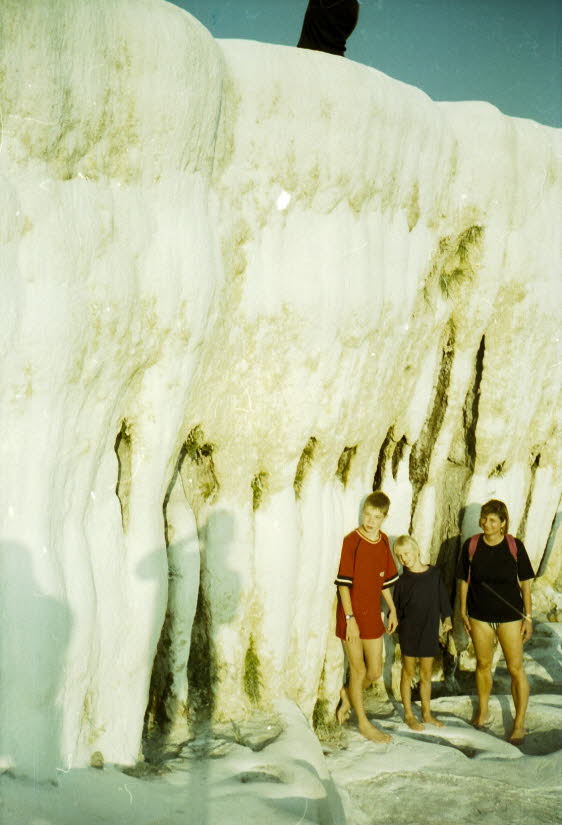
<point>239,282</point>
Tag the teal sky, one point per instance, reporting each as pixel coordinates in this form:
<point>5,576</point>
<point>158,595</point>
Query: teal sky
<point>504,51</point>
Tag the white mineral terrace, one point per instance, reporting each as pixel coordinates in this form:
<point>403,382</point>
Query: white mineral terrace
<point>239,282</point>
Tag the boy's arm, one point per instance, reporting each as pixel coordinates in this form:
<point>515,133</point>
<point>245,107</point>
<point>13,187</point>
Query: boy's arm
<point>352,628</point>
<point>390,579</point>
<point>392,617</point>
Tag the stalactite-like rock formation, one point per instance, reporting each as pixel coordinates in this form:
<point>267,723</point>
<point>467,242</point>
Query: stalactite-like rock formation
<point>239,282</point>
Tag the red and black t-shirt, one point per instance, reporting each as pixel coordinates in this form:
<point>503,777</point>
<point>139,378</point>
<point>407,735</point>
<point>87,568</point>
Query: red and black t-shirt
<point>367,568</point>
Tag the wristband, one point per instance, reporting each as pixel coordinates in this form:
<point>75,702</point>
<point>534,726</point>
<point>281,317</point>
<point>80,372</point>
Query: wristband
<point>349,616</point>
<point>528,618</point>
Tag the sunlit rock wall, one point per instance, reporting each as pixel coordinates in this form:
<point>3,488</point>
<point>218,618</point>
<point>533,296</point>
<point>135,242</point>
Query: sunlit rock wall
<point>240,282</point>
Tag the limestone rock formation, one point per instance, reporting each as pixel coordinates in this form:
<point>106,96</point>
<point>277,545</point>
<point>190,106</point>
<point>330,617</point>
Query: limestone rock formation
<point>240,282</point>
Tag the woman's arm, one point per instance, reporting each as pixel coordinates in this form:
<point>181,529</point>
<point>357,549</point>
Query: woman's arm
<point>527,623</point>
<point>462,591</point>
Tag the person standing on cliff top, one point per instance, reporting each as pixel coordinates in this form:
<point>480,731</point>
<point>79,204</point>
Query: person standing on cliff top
<point>327,25</point>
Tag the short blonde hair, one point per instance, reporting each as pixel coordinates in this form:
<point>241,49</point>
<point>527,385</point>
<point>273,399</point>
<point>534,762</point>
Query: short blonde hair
<point>404,541</point>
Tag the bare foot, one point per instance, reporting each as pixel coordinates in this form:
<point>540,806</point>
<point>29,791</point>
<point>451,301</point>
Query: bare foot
<point>374,734</point>
<point>480,720</point>
<point>343,708</point>
<point>413,723</point>
<point>431,720</point>
<point>517,737</point>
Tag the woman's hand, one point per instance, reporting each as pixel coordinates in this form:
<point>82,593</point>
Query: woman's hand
<point>351,630</point>
<point>392,623</point>
<point>526,630</point>
<point>466,623</point>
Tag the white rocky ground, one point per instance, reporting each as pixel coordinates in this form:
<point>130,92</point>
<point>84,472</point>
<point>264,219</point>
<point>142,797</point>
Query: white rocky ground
<point>273,770</point>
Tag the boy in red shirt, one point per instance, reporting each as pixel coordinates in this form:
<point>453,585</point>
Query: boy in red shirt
<point>366,571</point>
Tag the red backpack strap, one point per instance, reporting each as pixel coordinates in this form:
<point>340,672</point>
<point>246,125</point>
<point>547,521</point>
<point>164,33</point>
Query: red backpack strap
<point>472,544</point>
<point>512,544</point>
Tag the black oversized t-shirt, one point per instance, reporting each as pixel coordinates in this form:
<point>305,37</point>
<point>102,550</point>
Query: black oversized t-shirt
<point>421,600</point>
<point>494,594</point>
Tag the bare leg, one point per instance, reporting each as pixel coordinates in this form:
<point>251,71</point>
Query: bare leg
<point>359,652</point>
<point>372,649</point>
<point>483,640</point>
<point>406,676</point>
<point>342,711</point>
<point>426,669</point>
<point>509,635</point>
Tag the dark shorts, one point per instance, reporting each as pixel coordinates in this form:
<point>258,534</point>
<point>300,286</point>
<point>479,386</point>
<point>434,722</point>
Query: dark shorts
<point>494,625</point>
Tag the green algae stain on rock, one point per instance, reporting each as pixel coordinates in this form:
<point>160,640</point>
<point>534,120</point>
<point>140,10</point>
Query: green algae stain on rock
<point>305,462</point>
<point>455,261</point>
<point>413,210</point>
<point>259,484</point>
<point>344,463</point>
<point>198,473</point>
<point>252,679</point>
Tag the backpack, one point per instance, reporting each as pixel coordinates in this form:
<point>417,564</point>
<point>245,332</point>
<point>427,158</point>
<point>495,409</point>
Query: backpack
<point>473,543</point>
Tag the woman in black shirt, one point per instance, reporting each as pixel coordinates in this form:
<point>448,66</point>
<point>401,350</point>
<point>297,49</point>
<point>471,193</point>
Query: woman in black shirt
<point>495,576</point>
